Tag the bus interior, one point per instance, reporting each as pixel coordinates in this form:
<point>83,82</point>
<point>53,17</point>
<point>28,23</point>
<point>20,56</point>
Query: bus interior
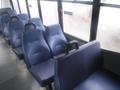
<point>59,45</point>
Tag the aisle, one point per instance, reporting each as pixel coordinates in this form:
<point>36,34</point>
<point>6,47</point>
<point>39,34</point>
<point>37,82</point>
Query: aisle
<point>13,72</point>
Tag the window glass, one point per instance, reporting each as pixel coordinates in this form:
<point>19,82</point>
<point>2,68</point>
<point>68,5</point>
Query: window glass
<point>0,3</point>
<point>33,7</point>
<point>77,20</point>
<point>49,12</point>
<point>77,0</point>
<point>23,6</point>
<point>5,3</point>
<point>111,1</point>
<point>15,5</point>
<point>109,28</point>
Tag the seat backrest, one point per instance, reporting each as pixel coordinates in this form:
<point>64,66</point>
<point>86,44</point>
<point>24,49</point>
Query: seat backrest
<point>16,28</point>
<point>35,47</point>
<point>29,26</point>
<point>56,39</point>
<point>2,10</point>
<point>4,20</point>
<point>38,23</point>
<point>23,17</point>
<point>0,24</point>
<point>77,66</point>
<point>6,29</point>
<point>5,13</point>
<point>10,11</point>
<point>1,13</point>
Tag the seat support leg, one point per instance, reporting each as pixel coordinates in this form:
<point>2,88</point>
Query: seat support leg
<point>49,87</point>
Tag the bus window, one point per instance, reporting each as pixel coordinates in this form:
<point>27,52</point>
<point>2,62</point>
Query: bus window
<point>49,12</point>
<point>77,0</point>
<point>23,6</point>
<point>16,6</point>
<point>33,7</point>
<point>0,3</point>
<point>111,1</point>
<point>77,20</point>
<point>5,3</point>
<point>109,28</point>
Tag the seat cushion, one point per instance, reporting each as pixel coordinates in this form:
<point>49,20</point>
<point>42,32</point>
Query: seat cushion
<point>100,80</point>
<point>44,72</point>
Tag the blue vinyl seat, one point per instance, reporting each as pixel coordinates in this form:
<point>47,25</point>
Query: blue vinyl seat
<point>16,28</point>
<point>2,10</point>
<point>30,26</point>
<point>57,40</point>
<point>0,25</point>
<point>23,17</point>
<point>38,57</point>
<point>8,10</point>
<point>38,23</point>
<point>5,22</point>
<point>82,70</point>
<point>5,18</point>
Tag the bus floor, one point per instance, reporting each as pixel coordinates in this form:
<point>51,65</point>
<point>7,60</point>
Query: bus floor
<point>13,72</point>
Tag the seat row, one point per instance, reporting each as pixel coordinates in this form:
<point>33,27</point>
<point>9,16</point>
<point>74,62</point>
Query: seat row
<point>41,47</point>
<point>37,43</point>
<point>52,58</point>
<point>11,26</point>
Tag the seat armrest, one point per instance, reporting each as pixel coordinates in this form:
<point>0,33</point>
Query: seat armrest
<point>59,56</point>
<point>71,45</point>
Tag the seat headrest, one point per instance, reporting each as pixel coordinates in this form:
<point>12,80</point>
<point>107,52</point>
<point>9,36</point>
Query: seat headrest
<point>5,13</point>
<point>38,22</point>
<point>14,19</point>
<point>29,26</point>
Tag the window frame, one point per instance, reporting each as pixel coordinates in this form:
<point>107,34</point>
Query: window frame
<point>96,4</point>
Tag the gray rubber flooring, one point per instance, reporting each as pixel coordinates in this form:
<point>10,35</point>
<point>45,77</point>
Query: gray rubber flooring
<point>13,72</point>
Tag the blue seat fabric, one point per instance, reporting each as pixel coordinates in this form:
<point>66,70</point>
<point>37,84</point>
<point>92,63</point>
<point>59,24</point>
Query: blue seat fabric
<point>7,10</point>
<point>5,24</point>
<point>10,11</point>
<point>35,48</point>
<point>38,23</point>
<point>0,24</point>
<point>38,57</point>
<point>44,72</point>
<point>6,13</point>
<point>100,80</point>
<point>23,17</point>
<point>80,70</point>
<point>16,28</point>
<point>56,39</point>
